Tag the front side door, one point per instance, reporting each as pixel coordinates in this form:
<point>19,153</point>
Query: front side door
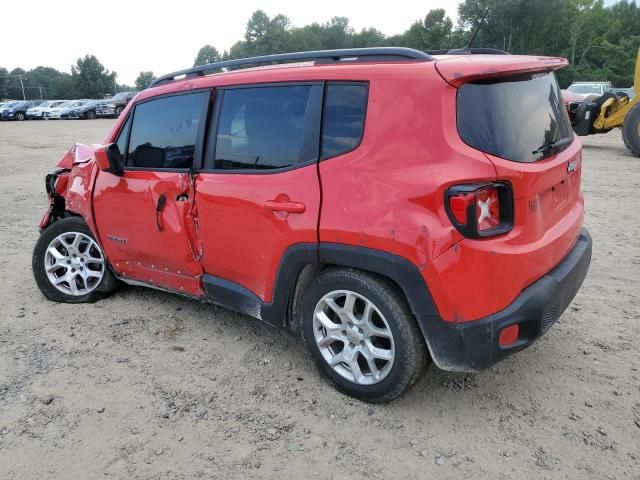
<point>145,217</point>
<point>259,192</point>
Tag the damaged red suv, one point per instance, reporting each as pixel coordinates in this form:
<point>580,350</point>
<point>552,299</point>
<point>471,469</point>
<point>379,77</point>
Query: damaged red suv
<point>391,205</point>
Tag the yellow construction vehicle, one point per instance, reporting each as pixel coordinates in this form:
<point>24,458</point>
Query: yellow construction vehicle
<point>599,114</point>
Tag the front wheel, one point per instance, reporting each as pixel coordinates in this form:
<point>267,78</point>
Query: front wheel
<point>69,265</point>
<point>362,334</point>
<point>20,116</point>
<point>91,115</point>
<point>119,111</point>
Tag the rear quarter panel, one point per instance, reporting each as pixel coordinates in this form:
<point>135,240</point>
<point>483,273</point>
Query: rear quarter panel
<point>388,194</point>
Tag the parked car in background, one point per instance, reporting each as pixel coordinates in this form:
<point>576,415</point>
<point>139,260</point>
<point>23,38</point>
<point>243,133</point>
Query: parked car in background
<point>624,92</point>
<point>120,100</point>
<point>578,91</point>
<point>18,110</point>
<point>54,112</point>
<point>39,111</point>
<point>6,106</point>
<point>105,109</point>
<point>86,111</point>
<point>62,110</point>
<point>64,114</point>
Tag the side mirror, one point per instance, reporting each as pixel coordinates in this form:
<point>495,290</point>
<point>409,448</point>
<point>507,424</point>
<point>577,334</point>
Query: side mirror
<point>109,159</point>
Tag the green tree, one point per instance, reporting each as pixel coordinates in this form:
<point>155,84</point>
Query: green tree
<point>144,80</point>
<point>91,79</point>
<point>207,54</point>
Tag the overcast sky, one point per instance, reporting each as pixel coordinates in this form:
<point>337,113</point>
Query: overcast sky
<point>134,35</point>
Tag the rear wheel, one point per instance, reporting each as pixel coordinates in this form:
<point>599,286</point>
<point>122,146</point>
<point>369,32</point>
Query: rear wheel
<point>362,334</point>
<point>631,130</point>
<point>69,265</point>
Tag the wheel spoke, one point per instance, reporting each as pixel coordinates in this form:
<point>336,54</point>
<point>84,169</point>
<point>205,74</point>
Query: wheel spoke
<point>337,358</point>
<point>326,322</point>
<point>329,339</point>
<point>55,266</point>
<point>92,273</point>
<point>372,364</point>
<point>53,251</point>
<point>73,286</point>
<point>350,303</point>
<point>355,368</point>
<point>76,243</point>
<point>381,353</point>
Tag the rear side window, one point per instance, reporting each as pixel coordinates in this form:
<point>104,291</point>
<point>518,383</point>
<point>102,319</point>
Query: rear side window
<point>164,131</point>
<point>343,122</point>
<point>267,127</point>
<point>519,118</point>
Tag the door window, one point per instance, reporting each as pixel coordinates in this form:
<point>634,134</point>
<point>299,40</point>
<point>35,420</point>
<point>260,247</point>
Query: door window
<point>164,132</point>
<point>267,127</point>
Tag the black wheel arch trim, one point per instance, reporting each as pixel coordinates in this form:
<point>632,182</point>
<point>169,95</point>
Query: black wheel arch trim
<point>398,269</point>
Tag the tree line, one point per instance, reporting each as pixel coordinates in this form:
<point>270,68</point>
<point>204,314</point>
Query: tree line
<point>600,42</point>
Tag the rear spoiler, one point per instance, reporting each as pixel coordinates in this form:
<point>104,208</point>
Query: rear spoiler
<point>460,69</point>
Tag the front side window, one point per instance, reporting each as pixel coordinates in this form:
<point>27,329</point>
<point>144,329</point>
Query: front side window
<point>343,122</point>
<point>164,131</point>
<point>264,127</point>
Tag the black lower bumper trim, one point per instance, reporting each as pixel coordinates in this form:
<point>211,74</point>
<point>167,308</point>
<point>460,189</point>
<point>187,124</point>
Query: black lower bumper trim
<point>472,346</point>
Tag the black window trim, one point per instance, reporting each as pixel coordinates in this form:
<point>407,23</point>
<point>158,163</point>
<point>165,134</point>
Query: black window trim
<point>210,149</point>
<point>199,145</point>
<point>365,84</point>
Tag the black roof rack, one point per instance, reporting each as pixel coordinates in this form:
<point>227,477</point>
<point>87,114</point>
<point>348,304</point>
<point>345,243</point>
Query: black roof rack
<point>376,54</point>
<point>468,51</point>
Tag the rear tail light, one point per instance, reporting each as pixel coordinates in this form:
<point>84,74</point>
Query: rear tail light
<point>480,210</point>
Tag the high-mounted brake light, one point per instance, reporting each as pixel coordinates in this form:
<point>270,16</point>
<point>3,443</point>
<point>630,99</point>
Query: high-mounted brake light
<point>480,210</point>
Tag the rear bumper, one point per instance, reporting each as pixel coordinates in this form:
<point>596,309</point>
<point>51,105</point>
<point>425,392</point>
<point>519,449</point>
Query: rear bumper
<point>472,346</point>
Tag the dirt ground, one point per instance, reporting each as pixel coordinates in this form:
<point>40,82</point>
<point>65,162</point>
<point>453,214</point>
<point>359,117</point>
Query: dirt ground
<point>149,385</point>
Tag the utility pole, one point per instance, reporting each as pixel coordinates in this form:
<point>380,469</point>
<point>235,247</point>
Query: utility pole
<point>24,97</point>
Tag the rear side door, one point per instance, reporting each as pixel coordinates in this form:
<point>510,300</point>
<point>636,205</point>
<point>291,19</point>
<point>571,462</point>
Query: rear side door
<point>258,194</point>
<point>145,217</point>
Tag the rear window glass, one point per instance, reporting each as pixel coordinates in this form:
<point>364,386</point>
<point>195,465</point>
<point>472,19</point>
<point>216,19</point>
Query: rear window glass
<point>519,118</point>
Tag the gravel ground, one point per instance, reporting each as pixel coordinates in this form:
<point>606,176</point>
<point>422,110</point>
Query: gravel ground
<point>150,385</point>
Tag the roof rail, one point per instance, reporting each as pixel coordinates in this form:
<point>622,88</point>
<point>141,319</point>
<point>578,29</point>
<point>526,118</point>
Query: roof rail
<point>468,51</point>
<point>377,54</point>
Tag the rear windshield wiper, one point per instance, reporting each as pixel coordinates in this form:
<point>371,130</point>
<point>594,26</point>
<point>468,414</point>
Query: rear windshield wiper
<point>550,146</point>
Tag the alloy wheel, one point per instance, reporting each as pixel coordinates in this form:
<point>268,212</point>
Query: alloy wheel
<point>353,337</point>
<point>74,263</point>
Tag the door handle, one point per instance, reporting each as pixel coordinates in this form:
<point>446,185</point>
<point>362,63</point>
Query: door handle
<point>182,198</point>
<point>162,200</point>
<point>289,207</point>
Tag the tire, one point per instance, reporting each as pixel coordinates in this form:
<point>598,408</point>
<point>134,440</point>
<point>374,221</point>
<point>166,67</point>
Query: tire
<point>119,111</point>
<point>388,336</point>
<point>96,276</point>
<point>20,116</point>
<point>91,115</point>
<point>631,130</point>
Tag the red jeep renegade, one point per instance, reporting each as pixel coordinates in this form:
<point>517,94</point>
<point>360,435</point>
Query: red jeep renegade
<point>392,205</point>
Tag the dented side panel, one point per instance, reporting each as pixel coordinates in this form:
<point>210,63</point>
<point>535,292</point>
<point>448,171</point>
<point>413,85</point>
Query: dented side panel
<point>146,238</point>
